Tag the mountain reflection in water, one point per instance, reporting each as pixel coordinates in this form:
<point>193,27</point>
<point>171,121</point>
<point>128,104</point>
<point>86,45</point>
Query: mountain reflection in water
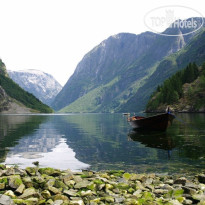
<point>61,156</point>
<point>30,138</point>
<point>100,142</point>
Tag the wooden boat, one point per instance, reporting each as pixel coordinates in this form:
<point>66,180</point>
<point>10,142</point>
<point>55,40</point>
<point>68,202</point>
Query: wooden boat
<point>158,122</point>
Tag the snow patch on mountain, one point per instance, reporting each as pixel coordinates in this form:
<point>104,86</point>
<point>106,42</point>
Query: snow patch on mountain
<point>43,85</point>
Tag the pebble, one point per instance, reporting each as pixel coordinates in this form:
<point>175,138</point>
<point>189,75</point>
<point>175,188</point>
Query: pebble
<point>52,186</point>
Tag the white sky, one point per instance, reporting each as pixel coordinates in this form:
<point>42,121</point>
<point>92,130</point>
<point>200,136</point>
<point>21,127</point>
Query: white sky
<point>54,35</point>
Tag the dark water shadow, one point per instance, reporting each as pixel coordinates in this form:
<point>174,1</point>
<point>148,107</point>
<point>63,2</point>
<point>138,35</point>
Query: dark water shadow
<point>153,139</point>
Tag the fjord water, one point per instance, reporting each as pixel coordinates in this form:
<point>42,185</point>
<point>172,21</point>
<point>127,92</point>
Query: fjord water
<point>101,142</point>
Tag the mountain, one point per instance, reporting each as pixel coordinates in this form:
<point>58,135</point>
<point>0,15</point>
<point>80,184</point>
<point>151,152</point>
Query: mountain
<point>194,51</point>
<point>40,84</point>
<point>110,76</point>
<point>182,92</point>
<point>13,99</point>
<point>3,70</point>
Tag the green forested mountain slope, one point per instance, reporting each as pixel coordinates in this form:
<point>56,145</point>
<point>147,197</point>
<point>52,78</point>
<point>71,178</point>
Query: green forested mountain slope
<point>194,51</point>
<point>11,93</point>
<point>112,77</point>
<point>183,92</point>
<point>119,74</point>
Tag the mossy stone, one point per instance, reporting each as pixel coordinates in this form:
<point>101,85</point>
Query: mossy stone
<point>15,181</point>
<point>123,186</point>
<point>60,184</point>
<point>46,194</point>
<point>2,186</point>
<point>4,180</point>
<point>27,182</point>
<point>20,201</point>
<point>2,166</point>
<point>50,171</point>
<point>31,171</point>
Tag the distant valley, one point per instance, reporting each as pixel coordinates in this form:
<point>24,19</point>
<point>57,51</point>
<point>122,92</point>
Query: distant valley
<point>118,75</point>
<point>40,84</point>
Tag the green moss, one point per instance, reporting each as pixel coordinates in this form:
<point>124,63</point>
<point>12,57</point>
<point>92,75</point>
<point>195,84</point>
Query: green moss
<point>31,171</point>
<point>123,186</point>
<point>126,176</point>
<point>60,184</point>
<point>48,171</point>
<point>91,186</point>
<point>4,180</point>
<point>2,166</point>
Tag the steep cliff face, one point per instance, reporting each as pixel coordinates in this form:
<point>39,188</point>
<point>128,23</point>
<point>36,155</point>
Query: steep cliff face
<point>109,77</point>
<point>102,64</point>
<point>194,51</point>
<point>3,68</point>
<point>4,100</point>
<point>40,84</point>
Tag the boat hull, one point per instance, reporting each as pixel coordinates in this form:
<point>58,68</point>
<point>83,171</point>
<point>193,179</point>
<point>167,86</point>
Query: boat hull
<point>158,122</point>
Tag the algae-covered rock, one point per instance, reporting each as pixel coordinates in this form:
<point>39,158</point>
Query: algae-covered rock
<point>131,201</point>
<point>86,193</point>
<point>2,186</point>
<point>4,180</point>
<point>64,198</point>
<point>15,181</point>
<point>46,194</point>
<point>50,171</point>
<point>38,180</point>
<point>27,181</point>
<point>77,202</point>
<point>116,172</point>
<point>123,186</point>
<point>60,184</point>
<point>10,193</point>
<point>20,202</point>
<point>58,202</point>
<point>50,201</point>
<point>50,182</point>
<point>126,176</point>
<point>67,178</point>
<point>51,186</point>
<point>20,189</point>
<point>181,180</point>
<point>54,190</point>
<point>32,201</point>
<point>70,192</point>
<point>92,186</point>
<point>82,184</point>
<point>28,193</point>
<point>31,171</point>
<point>2,166</point>
<point>87,174</point>
<point>77,179</point>
<point>9,171</point>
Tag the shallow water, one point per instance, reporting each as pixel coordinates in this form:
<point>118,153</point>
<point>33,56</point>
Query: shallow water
<point>102,141</point>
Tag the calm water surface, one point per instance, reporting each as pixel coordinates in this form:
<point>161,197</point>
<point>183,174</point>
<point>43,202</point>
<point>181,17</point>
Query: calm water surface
<point>102,141</point>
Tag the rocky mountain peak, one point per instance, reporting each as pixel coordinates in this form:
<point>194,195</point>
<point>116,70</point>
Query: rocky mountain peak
<point>40,84</point>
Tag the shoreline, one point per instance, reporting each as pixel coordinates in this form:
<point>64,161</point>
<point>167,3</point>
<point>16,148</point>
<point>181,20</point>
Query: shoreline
<point>35,185</point>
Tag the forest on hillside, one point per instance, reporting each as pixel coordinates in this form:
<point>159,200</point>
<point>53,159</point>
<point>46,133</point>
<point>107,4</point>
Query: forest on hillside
<point>172,89</point>
<point>26,98</point>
